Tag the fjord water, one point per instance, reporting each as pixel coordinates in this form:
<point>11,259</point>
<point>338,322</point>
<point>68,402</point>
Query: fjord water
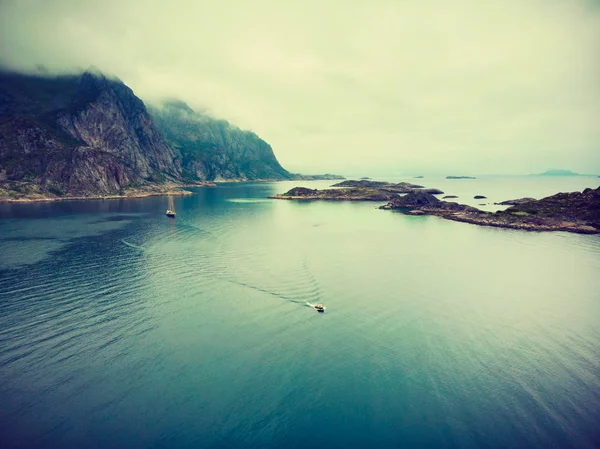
<point>122,328</point>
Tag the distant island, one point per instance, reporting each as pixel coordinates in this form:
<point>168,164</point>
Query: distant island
<point>577,212</point>
<point>325,177</point>
<point>461,177</point>
<point>559,172</point>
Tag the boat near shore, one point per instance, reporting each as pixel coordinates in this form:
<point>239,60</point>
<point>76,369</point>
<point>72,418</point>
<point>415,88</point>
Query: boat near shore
<point>171,209</point>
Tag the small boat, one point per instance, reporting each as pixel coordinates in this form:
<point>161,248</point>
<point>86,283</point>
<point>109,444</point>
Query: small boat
<point>320,308</point>
<point>171,209</point>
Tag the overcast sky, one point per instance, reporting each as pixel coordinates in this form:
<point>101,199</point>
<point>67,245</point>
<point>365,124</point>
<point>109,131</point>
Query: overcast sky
<point>407,86</point>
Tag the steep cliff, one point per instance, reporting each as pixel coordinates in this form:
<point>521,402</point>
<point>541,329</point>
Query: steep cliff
<point>211,149</point>
<point>78,135</point>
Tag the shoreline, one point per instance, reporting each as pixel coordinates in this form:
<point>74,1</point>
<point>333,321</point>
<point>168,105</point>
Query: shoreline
<point>97,197</point>
<point>541,224</point>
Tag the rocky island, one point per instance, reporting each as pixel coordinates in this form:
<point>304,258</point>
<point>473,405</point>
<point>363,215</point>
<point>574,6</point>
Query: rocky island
<point>577,212</point>
<point>350,194</point>
<point>352,190</point>
<point>401,187</point>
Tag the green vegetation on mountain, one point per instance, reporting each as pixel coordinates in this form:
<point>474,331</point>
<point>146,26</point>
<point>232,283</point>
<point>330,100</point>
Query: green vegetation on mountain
<point>215,150</point>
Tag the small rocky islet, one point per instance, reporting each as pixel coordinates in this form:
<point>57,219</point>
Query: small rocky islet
<point>577,212</point>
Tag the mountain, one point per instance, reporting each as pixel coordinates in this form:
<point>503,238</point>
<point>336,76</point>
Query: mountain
<point>559,172</point>
<point>78,135</point>
<point>211,149</point>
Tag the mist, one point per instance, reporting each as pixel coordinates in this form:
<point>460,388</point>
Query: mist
<point>374,87</point>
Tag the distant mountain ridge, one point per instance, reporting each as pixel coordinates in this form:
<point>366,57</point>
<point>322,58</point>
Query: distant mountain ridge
<point>214,150</point>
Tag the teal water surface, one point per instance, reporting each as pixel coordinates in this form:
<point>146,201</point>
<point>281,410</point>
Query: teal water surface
<point>122,328</point>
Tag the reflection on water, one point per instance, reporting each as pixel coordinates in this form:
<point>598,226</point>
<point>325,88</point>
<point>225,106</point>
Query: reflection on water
<point>25,242</point>
<point>125,328</point>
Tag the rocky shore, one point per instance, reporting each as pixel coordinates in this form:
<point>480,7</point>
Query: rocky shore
<point>577,212</point>
<point>21,192</point>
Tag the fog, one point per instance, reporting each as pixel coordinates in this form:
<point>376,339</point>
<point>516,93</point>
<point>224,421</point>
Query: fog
<point>370,87</point>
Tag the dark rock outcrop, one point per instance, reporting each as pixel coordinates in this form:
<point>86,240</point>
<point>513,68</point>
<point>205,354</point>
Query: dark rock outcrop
<point>413,200</point>
<point>215,150</point>
<point>300,191</point>
<point>427,203</point>
<point>449,196</point>
<point>81,135</point>
<point>349,194</point>
<point>581,207</point>
<point>515,202</point>
<point>479,197</point>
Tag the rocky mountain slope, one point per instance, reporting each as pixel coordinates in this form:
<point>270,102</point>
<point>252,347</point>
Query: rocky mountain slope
<point>78,135</point>
<point>211,149</point>
<point>88,135</point>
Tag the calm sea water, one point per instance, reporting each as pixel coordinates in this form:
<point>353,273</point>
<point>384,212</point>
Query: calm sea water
<point>122,328</point>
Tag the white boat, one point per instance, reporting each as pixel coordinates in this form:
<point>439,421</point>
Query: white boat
<point>318,307</point>
<point>171,209</point>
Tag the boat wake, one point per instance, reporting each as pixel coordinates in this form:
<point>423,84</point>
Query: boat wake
<point>296,285</point>
<point>262,290</point>
<point>140,248</point>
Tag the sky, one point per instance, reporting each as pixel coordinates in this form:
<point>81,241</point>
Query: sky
<point>369,87</point>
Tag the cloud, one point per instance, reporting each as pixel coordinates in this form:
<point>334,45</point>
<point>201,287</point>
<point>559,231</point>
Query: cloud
<point>406,86</point>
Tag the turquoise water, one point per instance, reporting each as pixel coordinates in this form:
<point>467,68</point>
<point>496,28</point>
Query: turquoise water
<point>122,328</point>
